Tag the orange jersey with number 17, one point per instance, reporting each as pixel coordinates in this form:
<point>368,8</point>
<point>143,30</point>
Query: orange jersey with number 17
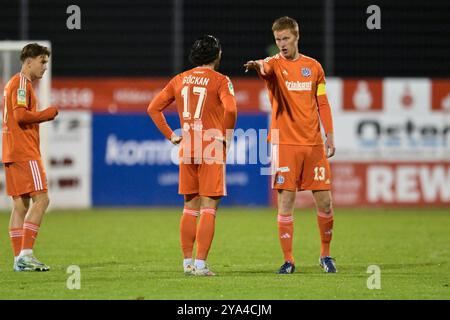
<point>200,95</point>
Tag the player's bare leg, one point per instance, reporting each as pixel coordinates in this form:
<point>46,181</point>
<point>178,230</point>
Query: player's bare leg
<point>21,205</point>
<point>38,208</point>
<point>286,204</point>
<point>205,234</point>
<point>20,208</point>
<point>188,230</point>
<point>325,220</point>
<point>32,222</point>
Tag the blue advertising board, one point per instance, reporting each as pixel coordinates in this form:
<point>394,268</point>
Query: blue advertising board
<point>134,165</point>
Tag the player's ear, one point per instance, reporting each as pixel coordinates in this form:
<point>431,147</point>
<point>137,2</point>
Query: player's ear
<point>28,61</point>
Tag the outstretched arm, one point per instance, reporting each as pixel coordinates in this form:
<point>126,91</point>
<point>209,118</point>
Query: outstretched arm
<point>262,68</point>
<point>24,117</point>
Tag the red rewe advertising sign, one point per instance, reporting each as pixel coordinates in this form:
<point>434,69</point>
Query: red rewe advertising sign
<point>363,95</point>
<point>386,184</point>
<point>440,99</point>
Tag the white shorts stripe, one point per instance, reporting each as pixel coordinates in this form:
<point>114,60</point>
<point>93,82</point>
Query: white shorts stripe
<point>34,175</point>
<point>224,179</point>
<point>274,162</point>
<point>38,175</point>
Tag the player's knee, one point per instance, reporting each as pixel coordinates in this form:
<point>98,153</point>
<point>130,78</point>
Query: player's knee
<point>210,202</point>
<point>20,209</point>
<point>286,202</point>
<point>20,205</point>
<point>324,205</point>
<point>42,201</point>
<point>192,201</point>
<point>286,208</point>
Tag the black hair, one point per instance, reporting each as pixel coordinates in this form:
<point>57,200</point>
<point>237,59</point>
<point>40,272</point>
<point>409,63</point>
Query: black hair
<point>204,50</point>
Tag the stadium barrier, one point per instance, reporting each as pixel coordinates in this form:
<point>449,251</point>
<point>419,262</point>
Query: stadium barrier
<point>392,139</point>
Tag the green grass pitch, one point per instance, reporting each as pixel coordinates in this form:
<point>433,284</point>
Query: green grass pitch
<point>135,254</point>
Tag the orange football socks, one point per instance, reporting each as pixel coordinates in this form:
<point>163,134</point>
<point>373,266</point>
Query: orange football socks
<point>30,232</point>
<point>188,229</point>
<point>325,222</point>
<point>16,235</point>
<point>286,235</point>
<point>205,232</point>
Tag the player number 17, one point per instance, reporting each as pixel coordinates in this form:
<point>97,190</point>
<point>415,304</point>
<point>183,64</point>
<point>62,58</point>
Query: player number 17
<point>201,92</point>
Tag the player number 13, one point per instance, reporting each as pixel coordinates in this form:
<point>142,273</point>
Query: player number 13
<point>319,173</point>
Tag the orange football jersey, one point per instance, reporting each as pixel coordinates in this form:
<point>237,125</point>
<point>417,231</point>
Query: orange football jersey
<point>294,88</point>
<point>19,142</point>
<point>202,96</point>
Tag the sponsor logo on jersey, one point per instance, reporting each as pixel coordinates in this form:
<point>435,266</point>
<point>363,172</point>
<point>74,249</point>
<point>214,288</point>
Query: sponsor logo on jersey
<point>306,72</point>
<point>21,97</point>
<point>298,85</point>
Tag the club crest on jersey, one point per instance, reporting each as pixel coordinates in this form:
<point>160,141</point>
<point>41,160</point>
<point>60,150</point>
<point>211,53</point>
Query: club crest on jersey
<point>306,72</point>
<point>21,97</point>
<point>280,180</point>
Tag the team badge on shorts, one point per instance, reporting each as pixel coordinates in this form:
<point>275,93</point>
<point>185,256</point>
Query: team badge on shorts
<point>280,180</point>
<point>306,72</point>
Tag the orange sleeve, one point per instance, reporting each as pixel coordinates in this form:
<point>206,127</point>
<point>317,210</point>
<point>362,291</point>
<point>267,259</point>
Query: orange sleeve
<point>19,97</point>
<point>322,102</point>
<point>23,116</point>
<point>325,113</point>
<point>226,94</point>
<point>268,68</point>
<point>158,104</point>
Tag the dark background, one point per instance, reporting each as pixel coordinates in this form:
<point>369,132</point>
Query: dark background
<point>135,38</point>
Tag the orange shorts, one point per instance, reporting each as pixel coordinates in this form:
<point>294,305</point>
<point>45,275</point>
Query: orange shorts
<point>25,178</point>
<point>205,179</point>
<point>300,168</point>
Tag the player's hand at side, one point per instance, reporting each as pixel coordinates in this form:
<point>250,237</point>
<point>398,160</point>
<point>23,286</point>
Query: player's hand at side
<point>53,112</point>
<point>329,145</point>
<point>258,65</point>
<point>175,139</point>
<point>225,141</point>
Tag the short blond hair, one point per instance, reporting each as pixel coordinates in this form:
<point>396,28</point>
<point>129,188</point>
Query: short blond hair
<point>286,23</point>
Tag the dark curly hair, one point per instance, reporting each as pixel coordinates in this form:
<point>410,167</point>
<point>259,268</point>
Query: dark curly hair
<point>204,50</point>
